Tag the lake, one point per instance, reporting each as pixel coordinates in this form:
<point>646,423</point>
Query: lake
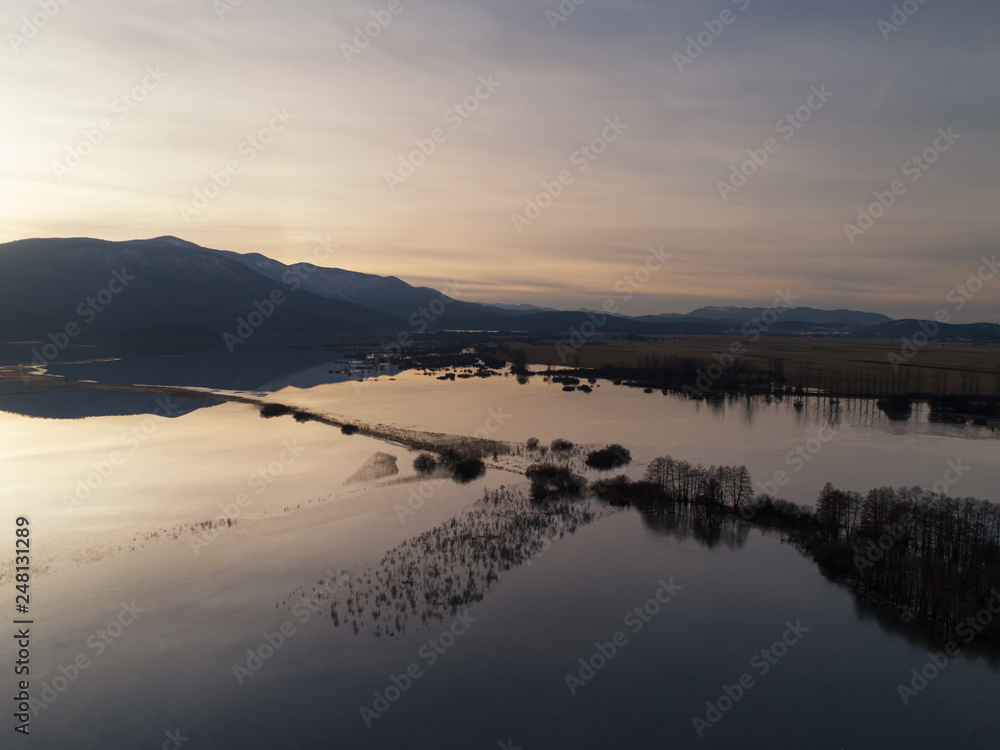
<point>145,609</point>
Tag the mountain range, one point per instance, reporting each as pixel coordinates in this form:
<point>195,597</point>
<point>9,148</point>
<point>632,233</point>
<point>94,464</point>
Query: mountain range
<point>152,292</point>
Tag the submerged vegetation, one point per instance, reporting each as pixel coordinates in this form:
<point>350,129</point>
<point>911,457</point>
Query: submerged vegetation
<point>436,574</point>
<point>561,446</point>
<point>926,558</point>
<point>549,481</point>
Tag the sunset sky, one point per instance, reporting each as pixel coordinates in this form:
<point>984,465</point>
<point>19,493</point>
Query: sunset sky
<point>212,75</point>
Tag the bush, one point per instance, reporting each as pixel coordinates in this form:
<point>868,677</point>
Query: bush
<point>548,480</point>
<point>457,453</point>
<point>612,457</point>
<point>274,410</point>
<point>561,446</point>
<point>349,429</point>
<point>425,463</point>
<point>468,469</point>
<point>532,444</point>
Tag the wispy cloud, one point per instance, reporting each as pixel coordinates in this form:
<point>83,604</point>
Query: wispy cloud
<point>657,184</point>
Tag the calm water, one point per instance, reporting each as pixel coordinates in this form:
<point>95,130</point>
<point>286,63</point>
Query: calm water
<point>504,677</point>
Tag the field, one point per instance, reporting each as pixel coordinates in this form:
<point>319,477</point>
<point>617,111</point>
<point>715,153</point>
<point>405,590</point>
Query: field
<point>848,366</point>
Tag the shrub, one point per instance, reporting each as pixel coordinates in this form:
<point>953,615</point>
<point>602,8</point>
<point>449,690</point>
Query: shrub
<point>561,446</point>
<point>532,444</point>
<point>548,480</point>
<point>274,410</point>
<point>425,463</point>
<point>349,429</point>
<point>468,469</point>
<point>458,452</point>
<point>612,457</point>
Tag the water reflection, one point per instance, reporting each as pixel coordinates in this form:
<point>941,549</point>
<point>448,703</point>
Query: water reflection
<point>710,532</point>
<point>895,624</point>
<point>261,370</point>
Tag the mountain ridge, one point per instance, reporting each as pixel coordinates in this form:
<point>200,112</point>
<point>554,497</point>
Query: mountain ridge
<point>170,289</point>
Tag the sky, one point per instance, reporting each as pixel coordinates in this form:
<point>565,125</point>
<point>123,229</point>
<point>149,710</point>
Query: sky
<point>532,152</point>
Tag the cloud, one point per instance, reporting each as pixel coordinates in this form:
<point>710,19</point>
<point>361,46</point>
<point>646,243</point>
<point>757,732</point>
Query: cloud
<point>658,184</point>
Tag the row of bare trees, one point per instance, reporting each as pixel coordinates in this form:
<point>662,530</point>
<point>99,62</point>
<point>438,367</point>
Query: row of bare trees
<point>933,557</point>
<point>681,482</point>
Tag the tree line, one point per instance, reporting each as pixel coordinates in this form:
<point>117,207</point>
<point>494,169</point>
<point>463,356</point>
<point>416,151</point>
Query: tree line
<point>932,558</point>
